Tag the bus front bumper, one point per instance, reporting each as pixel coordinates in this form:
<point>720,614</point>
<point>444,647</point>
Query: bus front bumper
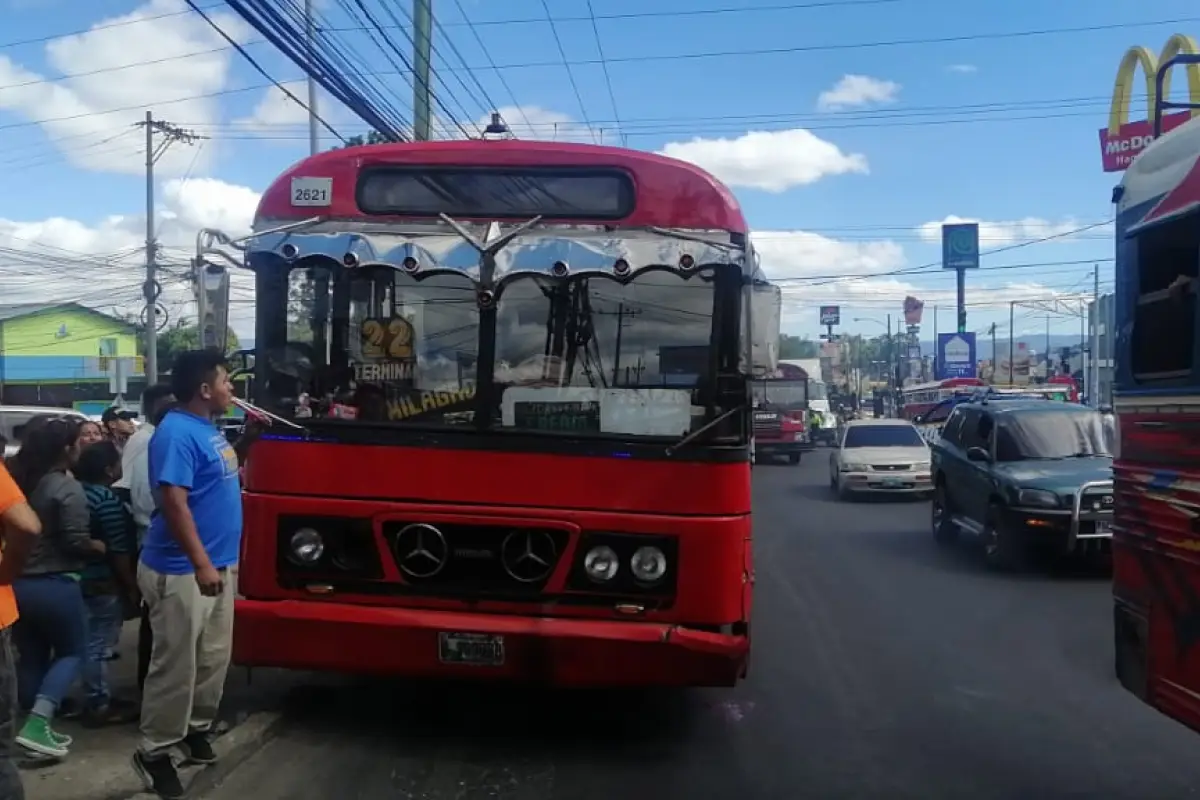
<point>345,638</point>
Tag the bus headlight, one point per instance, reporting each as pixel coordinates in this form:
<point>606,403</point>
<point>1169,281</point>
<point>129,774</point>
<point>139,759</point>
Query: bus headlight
<point>306,547</point>
<point>601,564</point>
<point>648,564</point>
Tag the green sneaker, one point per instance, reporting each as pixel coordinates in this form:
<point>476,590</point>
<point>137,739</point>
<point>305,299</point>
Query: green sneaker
<point>37,737</point>
<point>62,738</point>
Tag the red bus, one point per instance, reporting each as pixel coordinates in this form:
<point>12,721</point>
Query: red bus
<point>922,397</point>
<point>519,373</point>
<point>1156,535</point>
<point>780,404</point>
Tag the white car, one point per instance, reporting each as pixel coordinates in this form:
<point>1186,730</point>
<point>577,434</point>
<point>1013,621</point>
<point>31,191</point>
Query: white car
<point>884,456</point>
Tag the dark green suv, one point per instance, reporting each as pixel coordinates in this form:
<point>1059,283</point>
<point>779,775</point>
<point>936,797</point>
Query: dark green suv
<point>1021,475</point>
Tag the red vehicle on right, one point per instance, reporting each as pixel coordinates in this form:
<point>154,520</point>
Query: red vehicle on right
<point>1156,530</point>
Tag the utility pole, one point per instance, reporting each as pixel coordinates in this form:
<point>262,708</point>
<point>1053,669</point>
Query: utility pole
<point>314,142</point>
<point>151,289</point>
<point>622,314</point>
<point>422,69</point>
<point>1093,389</point>
<point>1047,347</point>
<point>935,343</point>
<point>1012,323</point>
<point>993,332</point>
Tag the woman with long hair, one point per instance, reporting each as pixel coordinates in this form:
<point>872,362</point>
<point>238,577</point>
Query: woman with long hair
<point>51,634</point>
<point>89,433</point>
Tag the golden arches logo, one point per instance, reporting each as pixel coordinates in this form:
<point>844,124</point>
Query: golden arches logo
<point>1122,98</point>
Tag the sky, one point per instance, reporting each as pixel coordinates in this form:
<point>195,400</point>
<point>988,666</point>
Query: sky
<point>849,130</point>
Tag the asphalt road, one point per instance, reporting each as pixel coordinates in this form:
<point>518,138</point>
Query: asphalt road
<point>882,668</point>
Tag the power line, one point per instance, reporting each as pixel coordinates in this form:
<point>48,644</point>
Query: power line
<point>483,48</point>
<point>633,15</point>
<point>567,65</point>
<point>612,98</point>
<point>653,57</point>
<point>259,69</point>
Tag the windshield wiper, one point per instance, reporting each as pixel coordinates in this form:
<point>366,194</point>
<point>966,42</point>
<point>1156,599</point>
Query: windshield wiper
<point>691,437</point>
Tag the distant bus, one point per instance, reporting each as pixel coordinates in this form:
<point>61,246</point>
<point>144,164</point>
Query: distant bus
<point>918,399</point>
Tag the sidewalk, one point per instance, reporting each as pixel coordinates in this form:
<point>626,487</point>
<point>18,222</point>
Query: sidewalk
<point>98,767</point>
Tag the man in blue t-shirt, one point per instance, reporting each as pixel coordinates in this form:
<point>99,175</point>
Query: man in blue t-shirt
<point>188,571</point>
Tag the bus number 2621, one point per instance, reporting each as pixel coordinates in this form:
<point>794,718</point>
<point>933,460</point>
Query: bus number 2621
<point>312,191</point>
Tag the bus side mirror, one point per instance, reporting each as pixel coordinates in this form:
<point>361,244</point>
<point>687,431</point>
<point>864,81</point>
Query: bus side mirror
<point>978,454</point>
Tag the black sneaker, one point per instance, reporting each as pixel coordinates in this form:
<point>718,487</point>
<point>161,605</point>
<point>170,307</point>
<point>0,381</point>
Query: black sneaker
<point>159,776</point>
<point>199,749</point>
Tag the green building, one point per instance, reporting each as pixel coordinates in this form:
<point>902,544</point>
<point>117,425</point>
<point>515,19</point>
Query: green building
<point>65,355</point>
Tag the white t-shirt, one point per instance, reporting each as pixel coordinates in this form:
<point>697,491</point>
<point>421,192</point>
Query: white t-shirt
<point>135,475</point>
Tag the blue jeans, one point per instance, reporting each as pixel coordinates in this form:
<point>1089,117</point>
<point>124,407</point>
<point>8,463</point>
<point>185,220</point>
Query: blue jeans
<point>51,639</point>
<point>105,617</point>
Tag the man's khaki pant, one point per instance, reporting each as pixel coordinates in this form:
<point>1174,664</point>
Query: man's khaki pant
<point>193,642</point>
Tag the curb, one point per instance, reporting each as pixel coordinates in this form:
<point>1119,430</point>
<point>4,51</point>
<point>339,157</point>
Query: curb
<point>234,748</point>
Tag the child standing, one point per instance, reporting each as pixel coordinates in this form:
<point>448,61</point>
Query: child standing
<point>109,586</point>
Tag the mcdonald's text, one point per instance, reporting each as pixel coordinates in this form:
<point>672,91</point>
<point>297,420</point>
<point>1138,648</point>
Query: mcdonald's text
<point>1118,150</point>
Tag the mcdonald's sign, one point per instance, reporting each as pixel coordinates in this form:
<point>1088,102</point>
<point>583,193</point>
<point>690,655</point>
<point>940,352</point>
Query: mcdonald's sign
<point>1122,140</point>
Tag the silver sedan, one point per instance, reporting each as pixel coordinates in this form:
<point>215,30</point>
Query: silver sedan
<point>880,456</point>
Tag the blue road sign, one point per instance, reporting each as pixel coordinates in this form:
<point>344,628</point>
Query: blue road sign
<point>956,355</point>
<point>960,246</point>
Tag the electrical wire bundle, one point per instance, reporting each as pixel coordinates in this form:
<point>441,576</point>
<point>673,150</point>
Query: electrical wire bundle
<point>351,48</point>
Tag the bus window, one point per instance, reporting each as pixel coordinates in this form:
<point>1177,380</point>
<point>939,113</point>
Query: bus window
<point>1163,338</point>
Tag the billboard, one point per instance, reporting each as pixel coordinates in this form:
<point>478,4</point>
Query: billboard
<point>831,315</point>
<point>960,246</point>
<point>1122,140</point>
<point>956,355</point>
<point>913,308</point>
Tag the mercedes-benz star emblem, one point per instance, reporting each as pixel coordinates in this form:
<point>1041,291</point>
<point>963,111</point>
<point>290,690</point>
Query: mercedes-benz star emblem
<point>421,550</point>
<point>528,556</point>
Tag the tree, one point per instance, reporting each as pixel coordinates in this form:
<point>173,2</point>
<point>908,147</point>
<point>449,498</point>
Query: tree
<point>177,337</point>
<point>797,347</point>
<point>185,335</point>
<point>372,137</point>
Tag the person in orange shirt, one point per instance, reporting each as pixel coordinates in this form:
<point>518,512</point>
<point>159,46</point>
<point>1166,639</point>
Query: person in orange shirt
<point>19,528</point>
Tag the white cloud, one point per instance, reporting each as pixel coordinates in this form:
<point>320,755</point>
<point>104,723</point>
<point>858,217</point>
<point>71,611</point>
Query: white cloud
<point>854,91</point>
<point>80,110</point>
<point>1000,233</point>
<point>813,270</point>
<point>276,114</point>
<point>98,264</point>
<point>963,69</point>
<point>773,161</point>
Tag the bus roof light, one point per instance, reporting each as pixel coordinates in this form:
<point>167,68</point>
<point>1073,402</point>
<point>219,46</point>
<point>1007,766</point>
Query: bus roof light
<point>289,251</point>
<point>350,260</point>
<point>687,263</point>
<point>560,269</point>
<point>621,267</point>
<point>410,264</point>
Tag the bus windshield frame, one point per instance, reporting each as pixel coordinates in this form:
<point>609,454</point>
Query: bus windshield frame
<point>553,378</point>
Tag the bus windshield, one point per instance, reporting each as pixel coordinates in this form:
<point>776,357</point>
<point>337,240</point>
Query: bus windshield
<point>585,354</point>
<point>784,393</point>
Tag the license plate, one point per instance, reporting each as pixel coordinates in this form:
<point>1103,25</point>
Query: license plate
<point>1103,526</point>
<point>893,484</point>
<point>475,649</point>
